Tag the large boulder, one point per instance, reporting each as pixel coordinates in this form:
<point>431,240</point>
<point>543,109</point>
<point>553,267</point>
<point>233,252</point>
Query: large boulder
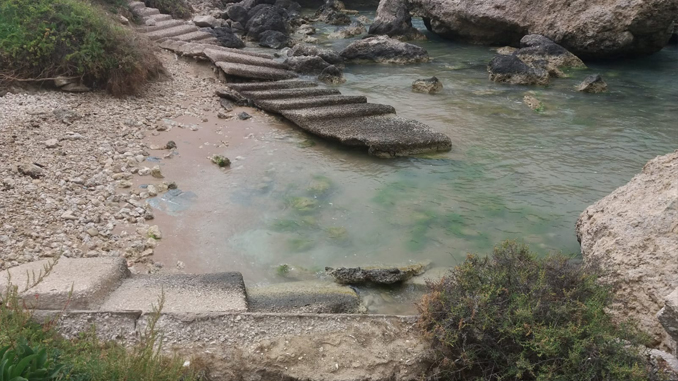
<point>384,49</point>
<point>237,13</point>
<point>587,28</point>
<point>268,17</point>
<point>227,38</point>
<point>632,236</point>
<point>308,65</point>
<point>512,70</point>
<point>593,84</point>
<point>273,39</point>
<point>394,20</point>
<point>331,12</point>
<point>537,50</point>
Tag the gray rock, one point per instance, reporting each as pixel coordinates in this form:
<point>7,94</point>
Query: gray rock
<point>75,88</point>
<point>427,85</point>
<point>273,39</point>
<point>238,14</point>
<point>355,29</point>
<point>377,275</point>
<point>589,29</point>
<point>511,69</point>
<point>226,104</point>
<point>52,143</point>
<point>205,21</point>
<point>227,38</point>
<point>632,236</point>
<point>309,65</point>
<point>306,30</point>
<point>332,75</point>
<point>593,84</point>
<point>328,55</point>
<point>31,170</point>
<point>63,81</point>
<point>539,51</point>
<point>668,315</point>
<point>244,116</point>
<point>268,18</point>
<point>303,297</point>
<point>233,96</point>
<point>394,20</point>
<point>384,49</point>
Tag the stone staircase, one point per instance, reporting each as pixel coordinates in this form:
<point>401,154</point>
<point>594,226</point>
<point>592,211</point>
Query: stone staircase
<point>159,27</point>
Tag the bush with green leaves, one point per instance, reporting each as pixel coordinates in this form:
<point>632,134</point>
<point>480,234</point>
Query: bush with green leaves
<point>43,39</point>
<point>514,316</point>
<point>27,364</point>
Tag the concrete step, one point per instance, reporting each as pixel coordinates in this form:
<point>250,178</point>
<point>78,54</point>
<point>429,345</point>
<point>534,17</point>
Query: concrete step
<point>219,292</point>
<point>145,12</point>
<point>235,57</point>
<point>161,25</point>
<point>136,5</point>
<point>339,111</point>
<point>157,18</point>
<point>385,136</point>
<point>212,41</point>
<point>303,297</point>
<point>171,32</point>
<point>242,51</point>
<point>196,36</point>
<point>288,93</point>
<point>279,105</point>
<point>255,72</point>
<point>91,280</point>
<point>278,85</point>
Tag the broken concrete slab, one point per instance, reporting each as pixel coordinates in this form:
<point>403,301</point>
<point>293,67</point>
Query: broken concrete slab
<point>288,93</point>
<point>309,115</point>
<point>277,85</point>
<point>297,103</point>
<point>82,283</point>
<point>171,32</point>
<point>303,297</point>
<point>161,25</point>
<point>255,72</point>
<point>385,136</point>
<point>235,57</point>
<point>197,36</point>
<point>183,293</point>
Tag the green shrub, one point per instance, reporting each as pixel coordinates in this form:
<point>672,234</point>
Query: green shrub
<point>179,9</point>
<point>27,364</point>
<point>513,316</point>
<point>43,39</point>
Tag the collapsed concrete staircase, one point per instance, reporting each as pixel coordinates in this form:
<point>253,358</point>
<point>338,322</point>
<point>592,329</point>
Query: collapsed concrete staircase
<point>161,27</point>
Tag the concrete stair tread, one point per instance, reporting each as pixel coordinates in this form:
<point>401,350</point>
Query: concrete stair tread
<point>279,105</point>
<point>171,32</point>
<point>142,12</point>
<point>277,85</point>
<point>157,18</point>
<point>384,135</point>
<point>307,115</point>
<point>136,4</point>
<point>255,72</point>
<point>161,25</point>
<point>216,55</point>
<point>288,93</point>
<point>198,35</point>
<point>219,292</point>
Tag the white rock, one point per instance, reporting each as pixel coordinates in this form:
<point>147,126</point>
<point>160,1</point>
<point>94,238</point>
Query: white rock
<point>155,172</point>
<point>205,21</point>
<point>52,143</point>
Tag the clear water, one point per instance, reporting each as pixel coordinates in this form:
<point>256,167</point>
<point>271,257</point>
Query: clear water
<point>513,173</point>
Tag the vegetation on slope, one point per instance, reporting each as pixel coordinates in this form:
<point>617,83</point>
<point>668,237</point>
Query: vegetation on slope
<point>43,39</point>
<point>513,316</point>
<point>179,9</point>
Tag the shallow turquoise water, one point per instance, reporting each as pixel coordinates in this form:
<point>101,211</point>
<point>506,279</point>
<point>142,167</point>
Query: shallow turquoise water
<point>513,173</point>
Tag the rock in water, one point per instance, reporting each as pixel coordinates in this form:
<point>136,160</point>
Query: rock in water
<point>593,84</point>
<point>632,235</point>
<point>273,39</point>
<point>307,65</point>
<point>533,103</point>
<point>427,85</point>
<point>587,28</point>
<point>394,20</point>
<point>355,29</point>
<point>538,51</point>
<point>376,275</point>
<point>384,49</point>
<point>511,69</point>
<point>332,75</point>
<point>267,18</point>
<point>329,55</point>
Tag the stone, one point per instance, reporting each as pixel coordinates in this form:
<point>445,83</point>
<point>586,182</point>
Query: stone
<point>306,29</point>
<point>383,49</point>
<point>303,297</point>
<point>63,81</point>
<point>328,55</point>
<point>170,145</point>
<point>631,235</point>
<point>75,88</point>
<point>154,232</point>
<point>355,29</point>
<point>539,51</point>
<point>31,170</point>
<point>427,85</point>
<point>123,20</point>
<point>233,96</point>
<point>92,232</point>
<point>205,21</point>
<point>238,14</point>
<point>433,275</point>
<point>376,275</point>
<point>668,315</point>
<point>593,84</point>
<point>511,69</point>
<point>227,38</point>
<point>589,29</point>
<point>73,284</point>
<point>220,160</point>
<point>332,76</point>
<point>69,216</point>
<point>273,39</point>
<point>244,116</point>
<point>155,172</point>
<point>533,103</point>
<point>308,65</point>
<point>51,143</point>
<point>394,20</point>
<point>269,18</point>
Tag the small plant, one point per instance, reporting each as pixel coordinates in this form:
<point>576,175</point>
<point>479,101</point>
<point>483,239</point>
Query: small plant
<point>221,161</point>
<point>512,316</point>
<point>27,364</point>
<point>282,270</point>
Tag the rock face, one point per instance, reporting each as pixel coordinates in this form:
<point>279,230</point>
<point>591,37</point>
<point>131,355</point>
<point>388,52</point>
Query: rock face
<point>632,235</point>
<point>394,20</point>
<point>593,84</point>
<point>427,85</point>
<point>587,28</point>
<point>384,49</point>
<point>668,315</point>
<point>538,51</point>
<point>377,275</point>
<point>511,69</point>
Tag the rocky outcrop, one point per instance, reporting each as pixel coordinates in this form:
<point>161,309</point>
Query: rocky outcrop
<point>329,55</point>
<point>632,235</point>
<point>227,38</point>
<point>593,84</point>
<point>265,19</point>
<point>376,275</point>
<point>331,13</point>
<point>384,49</point>
<point>394,20</point>
<point>427,85</point>
<point>538,51</point>
<point>273,39</point>
<point>511,69</point>
<point>587,28</point>
<point>668,315</point>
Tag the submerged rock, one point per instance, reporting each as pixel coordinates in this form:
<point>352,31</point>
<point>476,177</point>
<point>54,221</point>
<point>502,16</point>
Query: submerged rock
<point>533,103</point>
<point>394,20</point>
<point>355,29</point>
<point>303,297</point>
<point>589,29</point>
<point>511,69</point>
<point>332,75</point>
<point>632,236</point>
<point>377,275</point>
<point>593,84</point>
<point>273,39</point>
<point>427,85</point>
<point>384,49</point>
